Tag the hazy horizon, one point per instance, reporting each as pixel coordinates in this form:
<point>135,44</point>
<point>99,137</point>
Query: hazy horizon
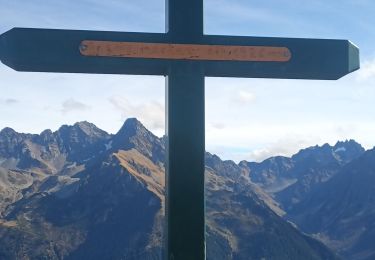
<point>235,160</point>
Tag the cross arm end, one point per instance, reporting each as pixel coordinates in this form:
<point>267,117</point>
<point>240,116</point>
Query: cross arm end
<point>353,57</point>
<point>2,46</point>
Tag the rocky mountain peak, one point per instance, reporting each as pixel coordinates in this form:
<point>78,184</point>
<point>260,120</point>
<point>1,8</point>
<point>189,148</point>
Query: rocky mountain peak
<point>79,141</point>
<point>316,151</point>
<point>46,137</point>
<point>89,129</point>
<point>131,131</point>
<point>10,141</point>
<point>132,127</point>
<point>133,134</point>
<point>347,142</point>
<point>47,132</point>
<point>227,168</point>
<point>342,151</point>
<point>80,133</point>
<point>7,131</point>
<point>348,150</point>
<point>84,128</point>
<point>367,159</point>
<point>341,209</point>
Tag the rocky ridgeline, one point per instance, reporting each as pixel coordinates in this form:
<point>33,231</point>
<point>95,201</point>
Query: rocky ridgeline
<point>81,193</point>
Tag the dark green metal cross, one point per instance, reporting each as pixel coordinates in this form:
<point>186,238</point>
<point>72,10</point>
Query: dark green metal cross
<point>185,55</point>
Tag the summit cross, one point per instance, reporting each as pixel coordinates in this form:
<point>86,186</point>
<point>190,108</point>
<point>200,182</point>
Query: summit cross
<point>184,55</point>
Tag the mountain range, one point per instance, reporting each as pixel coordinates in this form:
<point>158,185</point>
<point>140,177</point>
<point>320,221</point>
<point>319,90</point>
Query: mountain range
<point>328,192</point>
<point>81,193</point>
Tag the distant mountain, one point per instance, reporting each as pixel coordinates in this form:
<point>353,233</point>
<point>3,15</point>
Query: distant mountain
<point>240,220</point>
<point>50,152</point>
<point>342,210</point>
<point>328,191</point>
<point>80,193</point>
<point>289,180</point>
<point>26,160</point>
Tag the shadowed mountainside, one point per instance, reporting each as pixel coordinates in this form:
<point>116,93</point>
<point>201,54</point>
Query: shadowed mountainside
<point>342,211</point>
<point>328,191</point>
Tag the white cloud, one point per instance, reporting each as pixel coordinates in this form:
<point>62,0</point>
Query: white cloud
<point>367,71</point>
<point>151,114</point>
<point>71,105</point>
<point>245,97</point>
<point>9,101</point>
<point>217,125</point>
<point>286,146</point>
<point>256,142</point>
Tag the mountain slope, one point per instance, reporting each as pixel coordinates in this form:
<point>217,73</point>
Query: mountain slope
<point>49,152</point>
<point>111,205</point>
<point>342,210</point>
<point>290,180</point>
<point>27,161</point>
<point>239,220</point>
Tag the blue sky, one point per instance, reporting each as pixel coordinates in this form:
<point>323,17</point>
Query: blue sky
<point>245,118</point>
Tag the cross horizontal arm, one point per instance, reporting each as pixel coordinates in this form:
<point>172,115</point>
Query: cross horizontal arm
<point>44,50</point>
<point>322,59</point>
<point>51,50</point>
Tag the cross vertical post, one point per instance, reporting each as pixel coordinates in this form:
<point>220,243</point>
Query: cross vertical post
<point>185,163</point>
<point>185,130</point>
